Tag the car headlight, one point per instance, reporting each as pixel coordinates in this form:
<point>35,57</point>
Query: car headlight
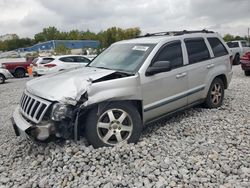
<point>61,111</point>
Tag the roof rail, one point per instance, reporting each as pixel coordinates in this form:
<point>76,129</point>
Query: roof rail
<point>176,33</point>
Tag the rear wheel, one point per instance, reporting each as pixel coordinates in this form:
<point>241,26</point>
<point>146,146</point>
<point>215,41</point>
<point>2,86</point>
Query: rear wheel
<point>116,123</point>
<point>247,73</point>
<point>2,79</point>
<point>215,94</point>
<point>19,73</point>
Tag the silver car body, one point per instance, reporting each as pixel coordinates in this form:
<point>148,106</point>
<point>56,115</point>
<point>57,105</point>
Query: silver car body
<point>158,94</point>
<point>6,73</point>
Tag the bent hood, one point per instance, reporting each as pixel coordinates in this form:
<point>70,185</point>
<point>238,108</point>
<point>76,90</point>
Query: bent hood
<point>65,86</point>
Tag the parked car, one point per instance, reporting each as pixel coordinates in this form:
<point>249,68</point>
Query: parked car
<point>130,84</point>
<point>245,63</point>
<point>238,48</point>
<point>17,68</point>
<point>4,75</point>
<point>48,65</point>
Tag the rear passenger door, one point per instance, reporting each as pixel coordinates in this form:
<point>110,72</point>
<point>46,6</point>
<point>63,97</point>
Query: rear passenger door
<point>165,92</point>
<point>199,65</point>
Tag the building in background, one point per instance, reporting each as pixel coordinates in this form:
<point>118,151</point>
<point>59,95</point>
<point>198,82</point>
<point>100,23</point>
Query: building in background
<point>84,47</point>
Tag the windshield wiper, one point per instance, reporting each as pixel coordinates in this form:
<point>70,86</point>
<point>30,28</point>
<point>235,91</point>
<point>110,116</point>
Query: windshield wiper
<point>103,68</point>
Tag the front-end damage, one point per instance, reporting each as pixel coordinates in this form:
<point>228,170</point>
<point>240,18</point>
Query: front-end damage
<point>71,100</point>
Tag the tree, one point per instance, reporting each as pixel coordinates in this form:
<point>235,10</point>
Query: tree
<point>228,37</point>
<point>62,50</point>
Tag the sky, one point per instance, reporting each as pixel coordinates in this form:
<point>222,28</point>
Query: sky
<point>28,17</point>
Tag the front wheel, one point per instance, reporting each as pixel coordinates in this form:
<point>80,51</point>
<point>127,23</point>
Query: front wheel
<point>115,123</point>
<point>2,79</point>
<point>247,73</point>
<point>215,94</point>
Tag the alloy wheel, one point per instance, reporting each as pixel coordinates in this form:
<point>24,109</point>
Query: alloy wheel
<point>216,93</point>
<point>114,126</point>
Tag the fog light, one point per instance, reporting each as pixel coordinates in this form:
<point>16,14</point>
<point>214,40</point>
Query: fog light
<point>61,111</point>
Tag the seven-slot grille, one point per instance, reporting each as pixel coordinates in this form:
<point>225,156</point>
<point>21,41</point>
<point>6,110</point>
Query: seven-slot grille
<point>32,107</point>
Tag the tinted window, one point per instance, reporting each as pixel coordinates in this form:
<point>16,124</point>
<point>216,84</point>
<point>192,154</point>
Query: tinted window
<point>68,59</point>
<point>217,47</point>
<point>46,60</point>
<point>233,44</point>
<point>82,60</point>
<point>197,50</point>
<point>244,44</point>
<point>172,53</point>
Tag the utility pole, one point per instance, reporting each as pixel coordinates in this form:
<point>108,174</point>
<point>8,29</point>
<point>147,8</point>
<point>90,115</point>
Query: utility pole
<point>248,30</point>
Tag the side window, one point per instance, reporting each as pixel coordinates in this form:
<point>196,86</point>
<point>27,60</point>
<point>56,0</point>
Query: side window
<point>217,47</point>
<point>173,53</point>
<point>243,44</point>
<point>233,44</point>
<point>67,59</point>
<point>46,60</point>
<point>197,50</point>
<point>82,60</point>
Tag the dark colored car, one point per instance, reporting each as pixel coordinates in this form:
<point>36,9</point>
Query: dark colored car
<point>245,63</point>
<point>17,69</point>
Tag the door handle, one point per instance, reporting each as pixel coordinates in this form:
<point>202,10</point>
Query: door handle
<point>210,66</point>
<point>181,75</point>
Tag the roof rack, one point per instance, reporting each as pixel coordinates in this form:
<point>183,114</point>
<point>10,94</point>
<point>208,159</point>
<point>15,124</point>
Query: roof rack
<point>176,33</point>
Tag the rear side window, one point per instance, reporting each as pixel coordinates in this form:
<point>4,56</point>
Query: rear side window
<point>173,53</point>
<point>82,60</point>
<point>217,47</point>
<point>233,44</point>
<point>46,60</point>
<point>68,59</point>
<point>197,50</point>
<point>243,44</point>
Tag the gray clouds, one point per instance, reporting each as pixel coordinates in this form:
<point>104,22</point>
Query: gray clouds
<point>27,17</point>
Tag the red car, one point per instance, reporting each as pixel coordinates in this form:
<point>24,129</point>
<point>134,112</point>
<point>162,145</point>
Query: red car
<point>245,63</point>
<point>18,69</point>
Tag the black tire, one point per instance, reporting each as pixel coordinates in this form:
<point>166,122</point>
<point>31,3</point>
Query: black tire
<point>236,60</point>
<point>19,73</point>
<point>247,73</point>
<point>94,133</point>
<point>213,93</point>
<point>2,79</point>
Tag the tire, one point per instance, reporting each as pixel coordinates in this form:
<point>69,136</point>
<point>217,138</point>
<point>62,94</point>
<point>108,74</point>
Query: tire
<point>215,94</point>
<point>236,60</point>
<point>104,129</point>
<point>19,73</point>
<point>2,79</point>
<point>247,73</point>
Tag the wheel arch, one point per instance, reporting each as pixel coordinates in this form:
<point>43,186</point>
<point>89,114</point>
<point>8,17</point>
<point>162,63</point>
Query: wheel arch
<point>19,67</point>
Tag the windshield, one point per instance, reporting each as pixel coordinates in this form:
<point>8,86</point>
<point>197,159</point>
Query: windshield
<point>126,57</point>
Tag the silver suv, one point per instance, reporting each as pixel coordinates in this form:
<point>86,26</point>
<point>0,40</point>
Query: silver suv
<point>131,83</point>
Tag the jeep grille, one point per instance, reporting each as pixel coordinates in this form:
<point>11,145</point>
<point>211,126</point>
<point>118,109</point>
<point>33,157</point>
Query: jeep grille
<point>33,108</point>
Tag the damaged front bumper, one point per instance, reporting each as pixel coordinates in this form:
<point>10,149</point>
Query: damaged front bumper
<point>24,128</point>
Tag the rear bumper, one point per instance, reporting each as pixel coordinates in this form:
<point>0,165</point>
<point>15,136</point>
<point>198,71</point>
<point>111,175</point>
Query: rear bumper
<point>245,66</point>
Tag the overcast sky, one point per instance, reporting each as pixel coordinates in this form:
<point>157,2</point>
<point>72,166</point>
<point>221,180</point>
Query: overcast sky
<point>27,17</point>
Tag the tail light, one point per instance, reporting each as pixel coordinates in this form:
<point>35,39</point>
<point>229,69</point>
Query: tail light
<point>50,65</point>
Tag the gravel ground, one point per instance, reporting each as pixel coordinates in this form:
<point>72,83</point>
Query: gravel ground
<point>198,148</point>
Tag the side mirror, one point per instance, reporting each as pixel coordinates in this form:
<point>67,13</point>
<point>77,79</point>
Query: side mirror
<point>158,67</point>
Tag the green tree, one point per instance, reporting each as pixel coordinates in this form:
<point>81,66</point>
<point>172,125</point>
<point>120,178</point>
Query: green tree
<point>228,37</point>
<point>62,50</point>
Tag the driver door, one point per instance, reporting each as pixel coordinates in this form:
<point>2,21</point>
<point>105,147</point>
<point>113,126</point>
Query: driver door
<point>166,91</point>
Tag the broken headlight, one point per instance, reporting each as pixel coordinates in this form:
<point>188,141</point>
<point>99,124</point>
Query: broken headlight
<point>61,111</point>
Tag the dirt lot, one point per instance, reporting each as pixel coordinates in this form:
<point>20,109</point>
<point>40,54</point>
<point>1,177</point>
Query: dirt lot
<point>200,147</point>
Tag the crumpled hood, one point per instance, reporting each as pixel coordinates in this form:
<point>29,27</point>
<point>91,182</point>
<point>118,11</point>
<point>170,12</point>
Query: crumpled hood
<point>66,85</point>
